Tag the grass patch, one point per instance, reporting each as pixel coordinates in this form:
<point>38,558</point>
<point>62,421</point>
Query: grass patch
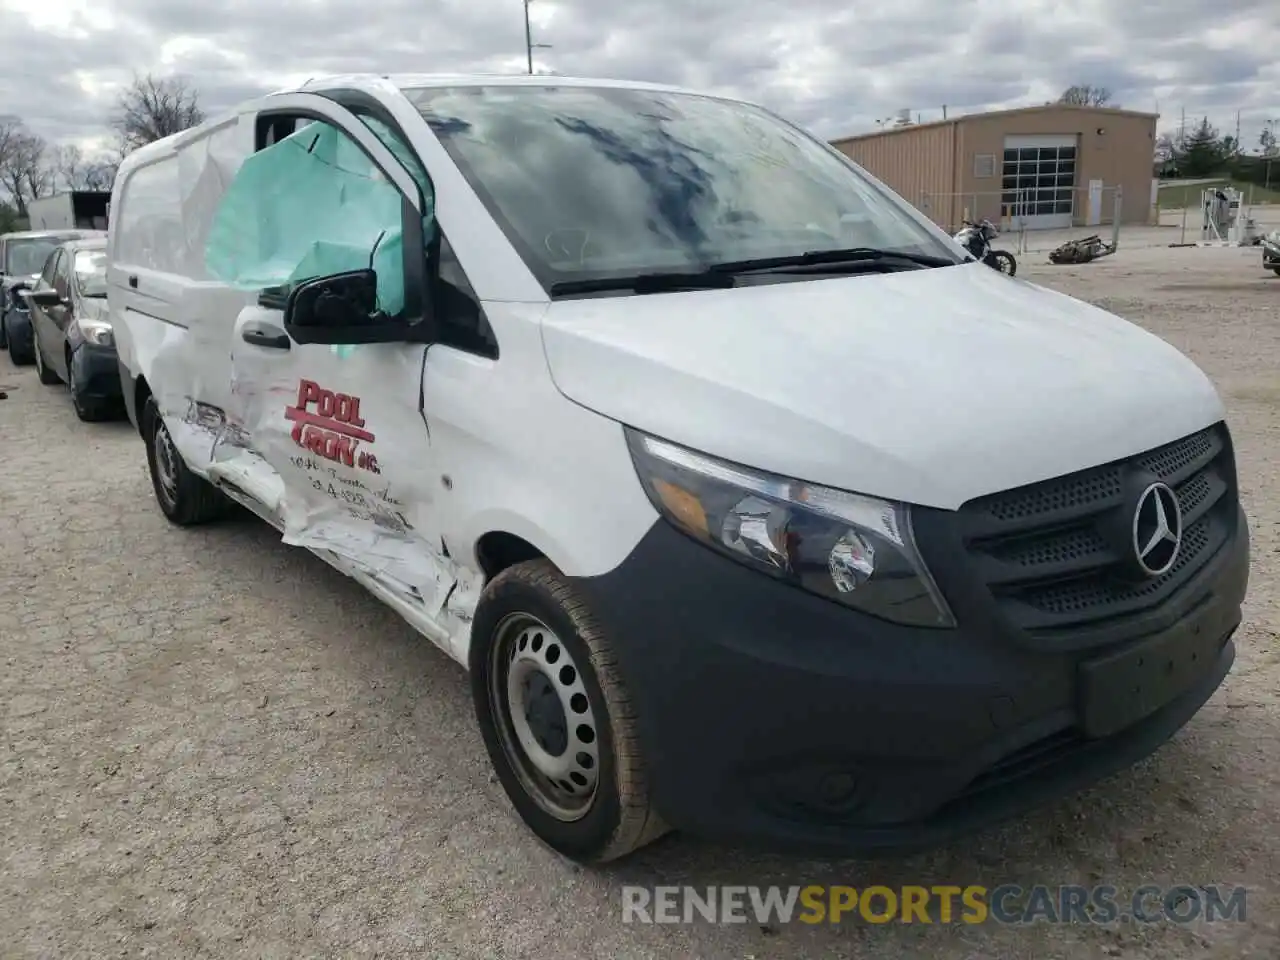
<point>1177,197</point>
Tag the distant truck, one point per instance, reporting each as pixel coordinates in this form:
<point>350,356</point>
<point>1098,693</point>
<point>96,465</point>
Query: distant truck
<point>74,210</point>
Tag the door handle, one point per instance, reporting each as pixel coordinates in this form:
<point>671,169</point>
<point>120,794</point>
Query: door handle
<point>266,336</point>
<point>133,282</point>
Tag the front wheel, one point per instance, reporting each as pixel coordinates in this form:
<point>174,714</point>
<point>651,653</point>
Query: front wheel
<point>556,718</point>
<point>185,499</point>
<point>1004,262</point>
<point>1276,270</point>
<point>88,409</point>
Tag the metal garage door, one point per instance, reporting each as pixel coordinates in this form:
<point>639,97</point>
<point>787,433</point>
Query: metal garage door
<point>1039,179</point>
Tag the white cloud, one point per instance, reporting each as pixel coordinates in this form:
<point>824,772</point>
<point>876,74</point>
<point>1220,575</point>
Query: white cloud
<point>834,67</point>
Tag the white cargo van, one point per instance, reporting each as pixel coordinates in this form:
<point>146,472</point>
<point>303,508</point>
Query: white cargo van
<point>754,507</point>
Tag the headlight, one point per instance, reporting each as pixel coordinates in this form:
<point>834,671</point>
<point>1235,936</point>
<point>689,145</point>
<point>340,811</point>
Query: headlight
<point>98,332</point>
<point>852,549</point>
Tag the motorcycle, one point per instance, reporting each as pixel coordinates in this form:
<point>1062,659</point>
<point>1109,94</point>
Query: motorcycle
<point>977,238</point>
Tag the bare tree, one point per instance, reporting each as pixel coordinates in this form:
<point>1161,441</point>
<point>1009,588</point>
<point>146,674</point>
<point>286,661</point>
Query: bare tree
<point>153,108</point>
<point>69,164</point>
<point>24,172</point>
<point>1084,95</point>
<point>100,174</point>
<point>75,171</point>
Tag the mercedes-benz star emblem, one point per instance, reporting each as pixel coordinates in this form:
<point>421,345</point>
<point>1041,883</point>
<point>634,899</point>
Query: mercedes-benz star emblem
<point>1157,529</point>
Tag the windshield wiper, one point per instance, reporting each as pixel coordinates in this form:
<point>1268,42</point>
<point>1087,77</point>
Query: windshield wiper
<point>713,279</point>
<point>719,276</point>
<point>822,261</point>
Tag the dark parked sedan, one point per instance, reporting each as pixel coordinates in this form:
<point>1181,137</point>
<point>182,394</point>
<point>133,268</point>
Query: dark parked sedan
<point>1271,251</point>
<point>73,338</point>
<point>22,256</point>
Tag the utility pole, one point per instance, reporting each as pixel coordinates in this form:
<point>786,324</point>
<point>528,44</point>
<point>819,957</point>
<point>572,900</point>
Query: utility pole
<point>529,45</point>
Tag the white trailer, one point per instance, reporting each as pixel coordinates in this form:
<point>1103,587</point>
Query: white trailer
<point>76,209</point>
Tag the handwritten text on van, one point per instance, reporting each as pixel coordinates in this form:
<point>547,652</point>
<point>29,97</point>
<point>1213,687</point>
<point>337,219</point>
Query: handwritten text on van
<point>329,425</point>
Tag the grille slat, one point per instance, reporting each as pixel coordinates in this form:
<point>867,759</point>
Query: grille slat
<point>1056,555</point>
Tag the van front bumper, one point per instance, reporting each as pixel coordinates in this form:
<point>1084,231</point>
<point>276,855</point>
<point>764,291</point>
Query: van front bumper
<point>778,718</point>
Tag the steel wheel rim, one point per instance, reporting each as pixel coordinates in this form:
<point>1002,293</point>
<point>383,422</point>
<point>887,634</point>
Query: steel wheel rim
<point>166,463</point>
<point>533,683</point>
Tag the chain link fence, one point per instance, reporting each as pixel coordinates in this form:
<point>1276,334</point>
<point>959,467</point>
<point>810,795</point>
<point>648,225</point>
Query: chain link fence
<point>1032,216</point>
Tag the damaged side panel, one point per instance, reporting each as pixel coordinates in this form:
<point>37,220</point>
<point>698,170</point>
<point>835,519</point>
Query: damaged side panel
<point>328,443</point>
<point>177,317</point>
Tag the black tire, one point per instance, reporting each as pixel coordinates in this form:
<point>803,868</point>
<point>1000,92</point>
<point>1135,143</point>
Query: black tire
<point>193,499</point>
<point>87,409</point>
<point>618,817</point>
<point>1276,270</point>
<point>19,356</point>
<point>1003,261</point>
<point>4,328</point>
<point>46,376</point>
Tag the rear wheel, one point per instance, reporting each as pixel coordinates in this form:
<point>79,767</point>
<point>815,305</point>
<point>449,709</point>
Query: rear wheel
<point>1004,262</point>
<point>556,718</point>
<point>184,498</point>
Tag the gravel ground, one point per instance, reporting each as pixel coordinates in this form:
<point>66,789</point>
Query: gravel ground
<point>216,746</point>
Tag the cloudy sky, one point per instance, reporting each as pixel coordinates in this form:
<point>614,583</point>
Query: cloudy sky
<point>834,65</point>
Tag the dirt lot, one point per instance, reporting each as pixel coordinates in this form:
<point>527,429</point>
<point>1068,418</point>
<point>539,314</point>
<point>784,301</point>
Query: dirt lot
<point>213,745</point>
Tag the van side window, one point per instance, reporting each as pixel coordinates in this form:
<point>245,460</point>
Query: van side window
<point>392,140</point>
<point>462,321</point>
<point>309,204</point>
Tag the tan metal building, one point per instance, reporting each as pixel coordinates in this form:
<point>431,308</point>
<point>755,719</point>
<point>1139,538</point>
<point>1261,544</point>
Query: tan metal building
<point>1044,167</point>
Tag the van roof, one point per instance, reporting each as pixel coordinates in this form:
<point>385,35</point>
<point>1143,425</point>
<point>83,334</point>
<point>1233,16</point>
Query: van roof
<point>411,80</point>
<point>70,233</point>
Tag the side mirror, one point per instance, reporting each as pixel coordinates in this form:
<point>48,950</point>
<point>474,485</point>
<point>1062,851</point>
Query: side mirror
<point>45,298</point>
<point>341,309</point>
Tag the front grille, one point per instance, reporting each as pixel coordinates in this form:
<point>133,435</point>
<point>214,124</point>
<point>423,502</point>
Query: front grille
<point>1057,555</point>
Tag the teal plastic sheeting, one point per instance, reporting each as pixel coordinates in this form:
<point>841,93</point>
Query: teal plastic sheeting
<point>309,206</point>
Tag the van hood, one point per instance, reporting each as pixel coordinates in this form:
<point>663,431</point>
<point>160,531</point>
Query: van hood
<point>930,386</point>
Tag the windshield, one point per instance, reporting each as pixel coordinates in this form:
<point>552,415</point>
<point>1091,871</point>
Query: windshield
<point>27,257</point>
<point>593,182</point>
<point>91,272</point>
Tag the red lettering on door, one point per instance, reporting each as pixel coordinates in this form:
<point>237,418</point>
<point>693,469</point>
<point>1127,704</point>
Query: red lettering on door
<point>329,425</point>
